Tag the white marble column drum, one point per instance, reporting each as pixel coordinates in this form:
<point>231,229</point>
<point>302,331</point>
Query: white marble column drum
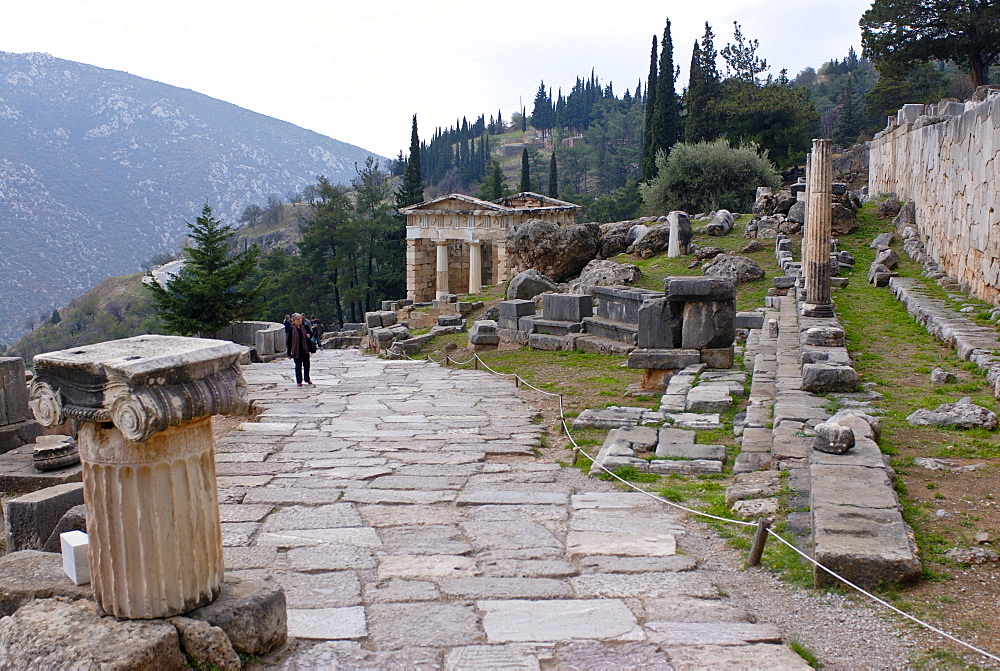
<point>818,229</point>
<point>442,268</point>
<point>153,519</point>
<point>475,267</point>
<point>145,405</point>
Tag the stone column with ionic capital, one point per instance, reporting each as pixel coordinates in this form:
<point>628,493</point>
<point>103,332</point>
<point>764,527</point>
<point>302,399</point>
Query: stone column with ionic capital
<point>475,266</point>
<point>146,406</point>
<point>818,229</point>
<point>442,268</point>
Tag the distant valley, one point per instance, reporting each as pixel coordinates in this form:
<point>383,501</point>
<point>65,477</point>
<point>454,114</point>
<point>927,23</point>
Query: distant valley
<point>99,169</point>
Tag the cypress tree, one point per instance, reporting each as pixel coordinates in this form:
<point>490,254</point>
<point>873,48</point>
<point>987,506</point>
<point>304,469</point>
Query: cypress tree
<point>411,189</point>
<point>666,112</point>
<point>648,152</point>
<point>525,173</point>
<point>702,123</point>
<point>553,177</point>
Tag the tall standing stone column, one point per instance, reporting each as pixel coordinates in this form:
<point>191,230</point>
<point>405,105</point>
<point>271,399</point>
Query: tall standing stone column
<point>442,269</point>
<point>818,229</point>
<point>475,266</point>
<point>148,463</point>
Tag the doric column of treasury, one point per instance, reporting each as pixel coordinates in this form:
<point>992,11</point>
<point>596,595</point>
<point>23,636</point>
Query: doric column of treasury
<point>819,222</point>
<point>475,266</point>
<point>146,406</point>
<point>442,268</point>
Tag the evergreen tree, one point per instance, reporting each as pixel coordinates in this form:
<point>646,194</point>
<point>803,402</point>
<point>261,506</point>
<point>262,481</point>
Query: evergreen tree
<point>495,186</point>
<point>541,113</point>
<point>211,291</point>
<point>702,121</point>
<point>525,172</point>
<point>411,189</point>
<point>666,111</point>
<point>55,318</point>
<point>553,177</point>
<point>648,151</point>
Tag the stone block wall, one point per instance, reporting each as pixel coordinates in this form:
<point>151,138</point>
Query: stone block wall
<point>421,269</point>
<point>458,267</point>
<point>946,159</point>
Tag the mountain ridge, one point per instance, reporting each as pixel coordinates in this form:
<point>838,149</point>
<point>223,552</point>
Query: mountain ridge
<point>99,169</point>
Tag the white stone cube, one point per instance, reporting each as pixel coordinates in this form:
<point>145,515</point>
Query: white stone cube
<point>75,548</point>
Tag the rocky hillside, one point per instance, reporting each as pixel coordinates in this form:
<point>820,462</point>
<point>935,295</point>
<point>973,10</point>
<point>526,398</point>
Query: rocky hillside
<point>99,169</point>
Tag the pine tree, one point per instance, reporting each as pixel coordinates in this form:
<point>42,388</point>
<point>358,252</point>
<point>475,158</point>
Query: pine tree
<point>553,177</point>
<point>666,112</point>
<point>411,189</point>
<point>211,290</point>
<point>648,152</point>
<point>525,172</point>
<point>495,186</point>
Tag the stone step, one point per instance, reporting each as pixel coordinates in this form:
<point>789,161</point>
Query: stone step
<point>612,330</point>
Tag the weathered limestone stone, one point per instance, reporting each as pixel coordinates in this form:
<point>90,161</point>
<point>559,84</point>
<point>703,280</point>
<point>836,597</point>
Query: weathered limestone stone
<point>528,284</point>
<point>515,620</point>
<point>16,424</point>
<point>567,307</point>
<point>29,575</point>
<point>251,612</point>
<point>206,645</point>
<point>30,519</point>
<point>484,332</point>
<point>964,414</point>
<point>821,378</point>
<point>833,438</point>
<point>941,376</point>
<point>74,519</point>
<point>146,447</point>
<point>721,223</point>
<point>53,634</point>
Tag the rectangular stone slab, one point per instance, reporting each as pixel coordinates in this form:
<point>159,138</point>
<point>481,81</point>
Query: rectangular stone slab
<point>558,620</point>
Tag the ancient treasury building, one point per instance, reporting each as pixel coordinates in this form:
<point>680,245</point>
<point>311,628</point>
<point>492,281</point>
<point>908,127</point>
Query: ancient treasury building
<point>456,243</point>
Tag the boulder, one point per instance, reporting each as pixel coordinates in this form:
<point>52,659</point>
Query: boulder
<point>941,376</point>
<point>963,414</point>
<point>888,258</point>
<point>843,220</point>
<point>528,284</point>
<point>797,212</point>
<point>605,273</point>
<point>703,254</point>
<point>635,233</point>
<point>557,251</point>
<point>820,378</point>
<point>206,645</point>
<point>783,202</point>
<point>889,207</point>
<point>655,241</point>
<point>251,612</point>
<point>881,240</point>
<point>614,238</point>
<point>722,223</point>
<point>739,269</point>
<point>752,246</point>
<point>764,206</point>
<point>907,216</point>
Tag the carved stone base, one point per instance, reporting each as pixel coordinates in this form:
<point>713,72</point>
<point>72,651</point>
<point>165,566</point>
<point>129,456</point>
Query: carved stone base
<point>155,535</point>
<point>817,309</point>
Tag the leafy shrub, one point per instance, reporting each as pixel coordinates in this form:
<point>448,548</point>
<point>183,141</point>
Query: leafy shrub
<point>708,176</point>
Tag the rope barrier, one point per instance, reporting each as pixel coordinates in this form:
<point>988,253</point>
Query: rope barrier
<point>577,450</point>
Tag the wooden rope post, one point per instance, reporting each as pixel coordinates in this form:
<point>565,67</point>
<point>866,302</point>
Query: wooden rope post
<point>759,539</point>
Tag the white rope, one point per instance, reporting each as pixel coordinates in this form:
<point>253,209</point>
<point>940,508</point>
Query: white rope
<point>884,603</point>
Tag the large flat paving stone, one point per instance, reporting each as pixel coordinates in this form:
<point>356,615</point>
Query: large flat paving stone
<point>361,537</point>
<point>516,620</point>
<point>584,543</point>
<point>389,515</point>
<point>320,590</point>
<point>327,623</point>
<point>757,656</point>
<point>313,517</point>
<point>705,633</point>
<point>643,585</point>
<point>399,625</point>
<point>505,588</point>
<point>509,497</point>
<point>425,567</point>
<point>424,540</point>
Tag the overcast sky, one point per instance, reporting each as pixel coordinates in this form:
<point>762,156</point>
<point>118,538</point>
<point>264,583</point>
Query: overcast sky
<point>358,71</point>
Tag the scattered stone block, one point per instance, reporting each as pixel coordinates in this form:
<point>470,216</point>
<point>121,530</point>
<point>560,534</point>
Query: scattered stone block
<point>450,320</point>
<point>824,336</point>
<point>685,466</point>
<point>31,518</point>
<point>749,320</point>
<point>691,420</point>
<point>963,414</point>
<point>691,451</point>
<point>820,378</point>
<point>708,398</point>
<point>544,342</point>
<point>511,312</point>
<point>833,438</point>
<point>484,332</point>
<point>609,418</point>
<point>756,508</point>
<point>659,323</point>
<point>567,307</point>
<point>941,376</point>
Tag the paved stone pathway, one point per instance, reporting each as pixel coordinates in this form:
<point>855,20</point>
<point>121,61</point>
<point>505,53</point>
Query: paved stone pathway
<point>402,507</point>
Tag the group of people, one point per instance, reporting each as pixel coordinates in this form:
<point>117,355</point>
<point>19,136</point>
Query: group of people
<point>302,337</point>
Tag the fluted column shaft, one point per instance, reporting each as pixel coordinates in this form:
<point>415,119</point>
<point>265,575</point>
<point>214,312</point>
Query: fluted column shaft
<point>818,227</point>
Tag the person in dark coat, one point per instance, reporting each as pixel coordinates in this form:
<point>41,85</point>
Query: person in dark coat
<point>298,348</point>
